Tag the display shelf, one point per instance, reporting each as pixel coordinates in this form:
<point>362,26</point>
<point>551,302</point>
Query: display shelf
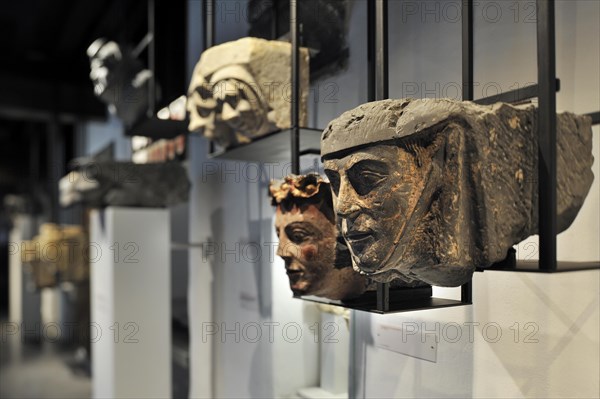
<point>156,128</point>
<point>273,147</point>
<point>400,300</point>
<point>531,266</point>
<point>512,264</point>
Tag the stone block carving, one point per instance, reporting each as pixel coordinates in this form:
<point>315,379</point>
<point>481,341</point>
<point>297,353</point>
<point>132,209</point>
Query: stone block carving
<point>431,189</point>
<point>241,90</point>
<point>105,183</point>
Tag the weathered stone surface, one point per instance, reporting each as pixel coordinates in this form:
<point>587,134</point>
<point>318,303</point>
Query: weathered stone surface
<point>104,183</point>
<point>241,90</point>
<point>431,189</point>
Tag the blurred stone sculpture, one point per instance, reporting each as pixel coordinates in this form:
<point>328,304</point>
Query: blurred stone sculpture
<point>57,253</point>
<point>316,260</point>
<point>431,189</point>
<point>120,79</point>
<point>106,183</point>
<point>241,90</point>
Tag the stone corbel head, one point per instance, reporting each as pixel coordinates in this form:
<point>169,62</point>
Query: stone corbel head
<point>240,90</point>
<point>431,189</point>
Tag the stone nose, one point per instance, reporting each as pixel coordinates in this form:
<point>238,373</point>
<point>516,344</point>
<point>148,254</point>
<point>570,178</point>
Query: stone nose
<point>347,201</point>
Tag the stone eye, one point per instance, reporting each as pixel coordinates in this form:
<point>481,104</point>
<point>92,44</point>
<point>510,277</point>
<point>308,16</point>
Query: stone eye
<point>334,179</point>
<point>366,176</point>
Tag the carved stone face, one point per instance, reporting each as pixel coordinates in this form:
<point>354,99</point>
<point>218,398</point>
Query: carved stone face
<point>432,189</point>
<point>239,90</point>
<point>229,108</point>
<point>307,244</point>
<point>315,262</point>
<point>375,194</point>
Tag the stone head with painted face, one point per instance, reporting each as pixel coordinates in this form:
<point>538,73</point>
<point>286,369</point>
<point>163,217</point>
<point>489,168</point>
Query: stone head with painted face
<point>431,189</point>
<point>316,259</point>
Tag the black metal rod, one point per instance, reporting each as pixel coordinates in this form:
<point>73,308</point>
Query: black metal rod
<point>546,60</point>
<point>56,163</point>
<point>516,95</point>
<point>274,20</point>
<point>383,297</point>
<point>381,49</point>
<point>208,39</point>
<point>466,290</point>
<point>151,62</point>
<point>381,93</point>
<point>595,117</point>
<point>295,112</point>
<point>467,50</point>
<point>371,62</point>
<point>208,18</point>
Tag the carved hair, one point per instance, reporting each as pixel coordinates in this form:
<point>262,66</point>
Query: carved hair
<point>301,191</point>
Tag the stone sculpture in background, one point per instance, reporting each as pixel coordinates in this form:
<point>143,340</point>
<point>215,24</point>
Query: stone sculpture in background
<point>241,90</point>
<point>120,79</point>
<point>113,183</point>
<point>57,254</point>
<point>316,260</point>
<point>431,189</point>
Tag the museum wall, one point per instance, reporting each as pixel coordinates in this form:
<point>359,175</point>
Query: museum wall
<point>233,288</point>
<point>97,135</point>
<point>549,324</point>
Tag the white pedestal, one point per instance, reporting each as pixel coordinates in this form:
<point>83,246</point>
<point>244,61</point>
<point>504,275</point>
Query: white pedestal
<point>24,300</point>
<point>131,303</point>
<point>335,345</point>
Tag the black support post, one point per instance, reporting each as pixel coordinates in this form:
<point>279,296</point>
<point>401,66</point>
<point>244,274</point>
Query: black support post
<point>295,132</point>
<point>274,20</point>
<point>381,93</point>
<point>381,50</point>
<point>546,61</point>
<point>208,19</point>
<point>208,39</point>
<point>467,50</point>
<point>466,290</point>
<point>371,44</point>
<point>56,165</point>
<point>151,61</point>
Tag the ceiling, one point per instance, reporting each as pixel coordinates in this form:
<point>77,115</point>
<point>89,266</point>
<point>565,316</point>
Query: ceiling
<point>44,68</point>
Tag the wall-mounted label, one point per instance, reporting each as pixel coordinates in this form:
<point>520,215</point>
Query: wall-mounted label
<point>410,341</point>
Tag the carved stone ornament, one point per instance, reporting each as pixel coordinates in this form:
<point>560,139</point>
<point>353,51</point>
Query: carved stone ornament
<point>431,189</point>
<point>317,261</point>
<point>241,90</point>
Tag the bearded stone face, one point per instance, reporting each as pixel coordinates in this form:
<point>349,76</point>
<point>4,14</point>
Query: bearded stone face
<point>239,91</point>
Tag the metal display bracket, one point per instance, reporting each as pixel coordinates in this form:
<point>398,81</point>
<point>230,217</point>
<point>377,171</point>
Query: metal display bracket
<point>302,141</point>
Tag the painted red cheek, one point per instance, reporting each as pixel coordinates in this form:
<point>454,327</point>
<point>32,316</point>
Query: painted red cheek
<point>309,252</point>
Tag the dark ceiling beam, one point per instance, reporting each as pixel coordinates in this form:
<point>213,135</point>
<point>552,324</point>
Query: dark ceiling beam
<point>138,17</point>
<point>109,23</point>
<point>77,21</point>
<point>48,22</point>
<point>33,98</point>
